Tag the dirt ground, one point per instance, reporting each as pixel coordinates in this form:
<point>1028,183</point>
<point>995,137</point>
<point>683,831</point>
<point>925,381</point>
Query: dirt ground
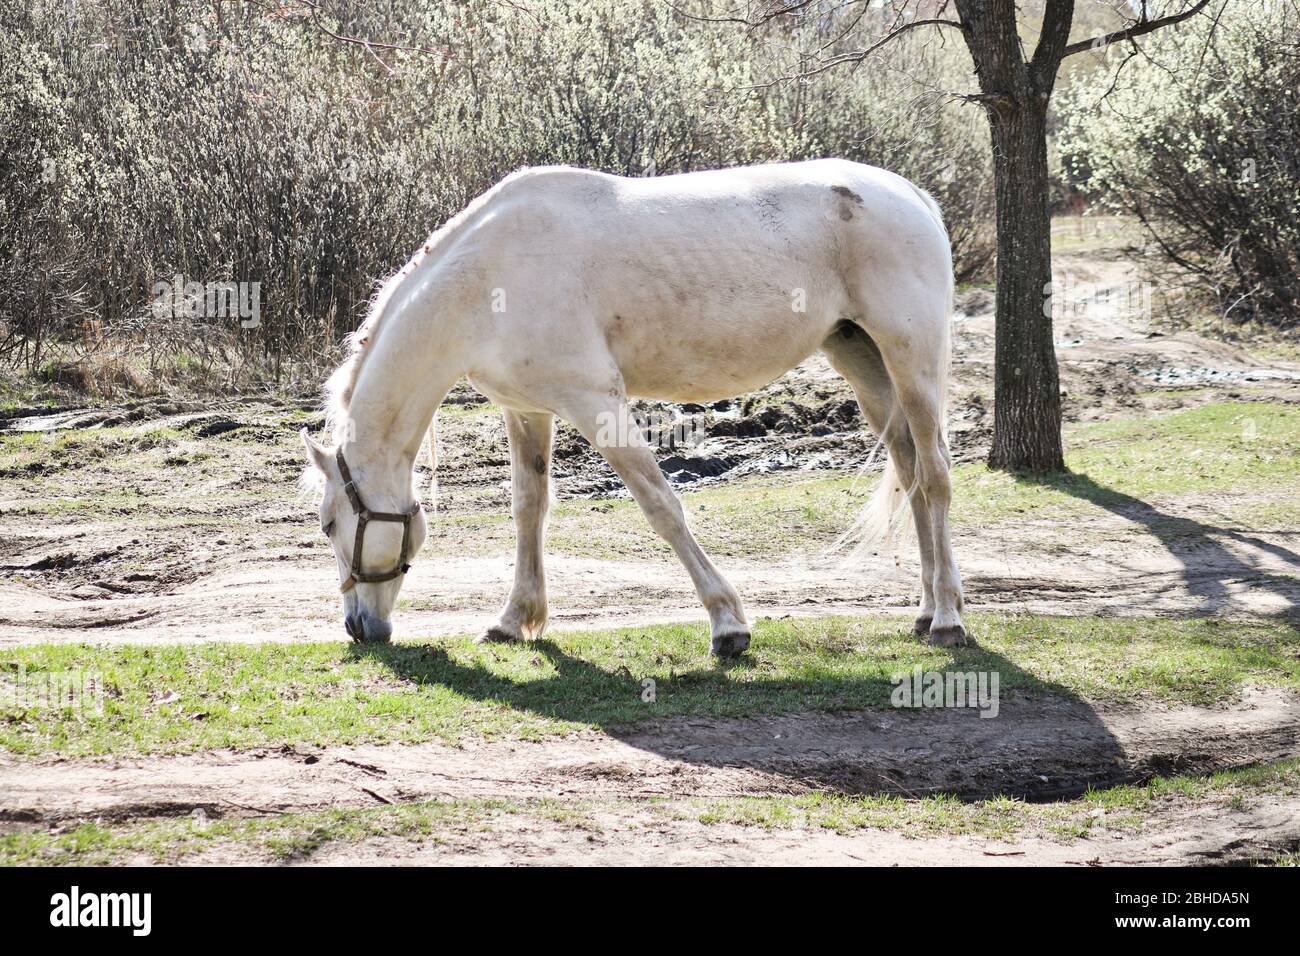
<point>1063,747</point>
<point>1184,839</point>
<point>624,783</point>
<point>230,552</point>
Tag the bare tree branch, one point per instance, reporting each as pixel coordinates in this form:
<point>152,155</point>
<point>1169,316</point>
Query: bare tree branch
<point>857,56</point>
<point>771,15</point>
<point>313,13</point>
<point>1140,28</point>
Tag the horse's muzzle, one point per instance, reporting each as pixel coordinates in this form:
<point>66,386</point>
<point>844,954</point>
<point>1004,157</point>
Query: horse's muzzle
<point>365,629</point>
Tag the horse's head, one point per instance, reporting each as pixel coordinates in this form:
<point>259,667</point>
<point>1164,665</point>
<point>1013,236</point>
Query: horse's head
<point>375,523</point>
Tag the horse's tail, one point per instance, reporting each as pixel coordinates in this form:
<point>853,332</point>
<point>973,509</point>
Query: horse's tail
<point>885,520</point>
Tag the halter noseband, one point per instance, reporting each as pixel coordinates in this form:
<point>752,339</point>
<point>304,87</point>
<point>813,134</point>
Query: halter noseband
<point>363,517</point>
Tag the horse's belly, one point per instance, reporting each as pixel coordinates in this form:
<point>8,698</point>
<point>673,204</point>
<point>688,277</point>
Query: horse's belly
<point>715,313</point>
<point>706,358</point>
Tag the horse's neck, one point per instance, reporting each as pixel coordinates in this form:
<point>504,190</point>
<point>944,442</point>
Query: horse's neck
<point>403,381</point>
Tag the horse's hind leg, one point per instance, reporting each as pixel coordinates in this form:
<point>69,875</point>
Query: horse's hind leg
<point>918,384</point>
<point>606,422</point>
<point>854,355</point>
<point>524,616</point>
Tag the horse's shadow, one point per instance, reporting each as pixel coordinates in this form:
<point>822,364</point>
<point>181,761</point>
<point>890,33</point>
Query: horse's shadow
<point>840,733</point>
<point>1209,568</point>
<point>831,734</point>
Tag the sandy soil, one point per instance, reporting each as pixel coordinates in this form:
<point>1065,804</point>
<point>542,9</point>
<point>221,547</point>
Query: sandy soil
<point>1201,573</point>
<point>1201,837</point>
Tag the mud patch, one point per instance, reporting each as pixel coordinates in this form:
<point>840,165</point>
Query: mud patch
<point>1173,377</point>
<point>152,411</point>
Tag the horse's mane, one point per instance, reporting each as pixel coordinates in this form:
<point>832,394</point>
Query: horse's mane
<point>339,386</point>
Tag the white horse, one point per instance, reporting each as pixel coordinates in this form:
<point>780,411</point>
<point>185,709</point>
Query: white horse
<point>563,292</point>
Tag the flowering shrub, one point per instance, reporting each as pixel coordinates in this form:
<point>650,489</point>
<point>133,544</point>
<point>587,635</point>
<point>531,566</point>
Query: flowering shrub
<point>1201,142</point>
<point>198,144</point>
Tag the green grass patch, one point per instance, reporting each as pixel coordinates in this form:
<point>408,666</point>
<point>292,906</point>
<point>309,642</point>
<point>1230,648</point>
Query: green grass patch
<point>1245,457</point>
<point>284,838</point>
<point>1232,448</point>
<point>750,519</point>
<point>754,518</point>
<point>1291,859</point>
<point>192,697</point>
<point>1002,818</point>
<point>1133,467</point>
<point>1081,234</point>
<point>76,448</point>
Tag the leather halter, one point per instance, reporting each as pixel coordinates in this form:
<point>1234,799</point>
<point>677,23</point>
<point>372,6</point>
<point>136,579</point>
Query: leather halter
<point>364,516</point>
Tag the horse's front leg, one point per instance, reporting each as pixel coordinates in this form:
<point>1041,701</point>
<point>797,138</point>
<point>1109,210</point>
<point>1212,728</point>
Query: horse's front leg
<point>524,616</point>
<point>607,423</point>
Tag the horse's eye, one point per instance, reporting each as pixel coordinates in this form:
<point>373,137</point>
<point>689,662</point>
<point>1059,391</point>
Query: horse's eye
<point>328,528</point>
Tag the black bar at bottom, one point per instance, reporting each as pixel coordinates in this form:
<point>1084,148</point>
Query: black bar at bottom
<point>300,905</point>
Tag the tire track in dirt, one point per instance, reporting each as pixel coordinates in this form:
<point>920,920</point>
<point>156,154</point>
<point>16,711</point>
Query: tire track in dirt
<point>1038,747</point>
<point>288,600</point>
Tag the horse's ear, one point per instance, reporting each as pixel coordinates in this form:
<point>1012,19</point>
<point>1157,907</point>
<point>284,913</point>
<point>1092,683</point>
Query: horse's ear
<point>317,454</point>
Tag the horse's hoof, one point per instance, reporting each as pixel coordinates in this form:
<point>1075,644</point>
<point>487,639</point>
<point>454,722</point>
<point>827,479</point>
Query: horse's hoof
<point>729,645</point>
<point>954,636</point>
<point>496,635</point>
<point>921,626</point>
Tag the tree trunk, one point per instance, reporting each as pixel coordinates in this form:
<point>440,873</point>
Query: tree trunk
<point>1027,406</point>
<point>1015,92</point>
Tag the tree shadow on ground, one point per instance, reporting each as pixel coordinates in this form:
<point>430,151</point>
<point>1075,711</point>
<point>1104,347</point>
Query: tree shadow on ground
<point>819,731</point>
<point>1209,567</point>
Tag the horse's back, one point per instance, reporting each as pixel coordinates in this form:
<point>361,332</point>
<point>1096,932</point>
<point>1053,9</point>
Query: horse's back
<point>782,191</point>
<point>708,283</point>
